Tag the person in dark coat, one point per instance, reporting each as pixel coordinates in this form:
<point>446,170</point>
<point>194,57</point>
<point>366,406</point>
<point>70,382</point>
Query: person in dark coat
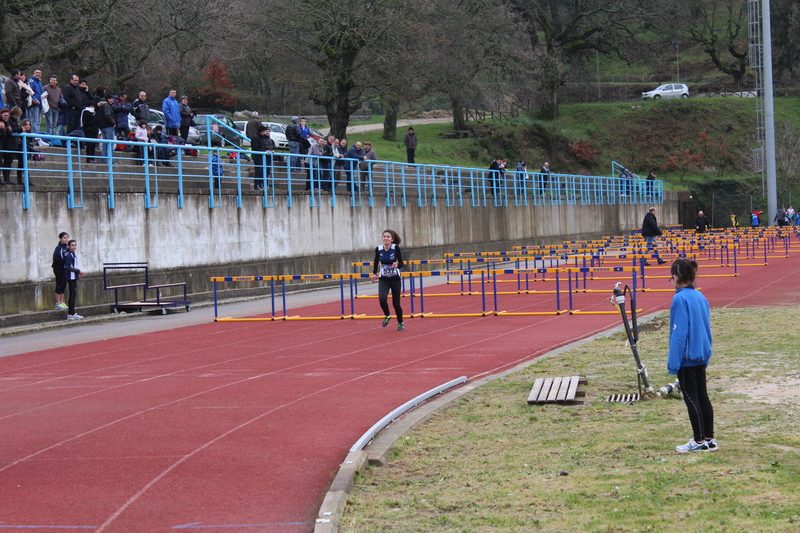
<point>187,116</point>
<point>251,128</point>
<point>650,231</point>
<point>58,269</point>
<point>294,138</point>
<point>141,109</point>
<point>262,147</point>
<point>353,156</point>
<point>12,92</point>
<point>780,217</point>
<point>90,131</point>
<point>11,145</point>
<point>74,99</point>
<point>106,121</point>
<point>410,140</point>
<point>121,110</point>
<point>700,223</point>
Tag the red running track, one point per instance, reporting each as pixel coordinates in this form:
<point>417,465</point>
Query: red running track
<point>239,427</point>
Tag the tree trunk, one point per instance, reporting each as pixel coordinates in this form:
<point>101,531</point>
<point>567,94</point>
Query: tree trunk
<point>390,120</point>
<point>457,106</point>
<point>549,107</point>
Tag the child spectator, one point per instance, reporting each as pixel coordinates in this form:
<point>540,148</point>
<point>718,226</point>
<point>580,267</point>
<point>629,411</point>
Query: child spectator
<point>216,169</point>
<point>689,353</point>
<point>73,275</point>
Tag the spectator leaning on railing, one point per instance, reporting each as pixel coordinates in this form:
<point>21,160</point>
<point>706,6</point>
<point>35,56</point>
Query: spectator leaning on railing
<point>261,144</point>
<point>354,153</point>
<point>366,164</point>
<point>104,116</point>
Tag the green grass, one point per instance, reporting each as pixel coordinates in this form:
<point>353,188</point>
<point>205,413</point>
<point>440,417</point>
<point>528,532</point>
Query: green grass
<point>432,149</point>
<point>494,463</point>
<point>636,134</point>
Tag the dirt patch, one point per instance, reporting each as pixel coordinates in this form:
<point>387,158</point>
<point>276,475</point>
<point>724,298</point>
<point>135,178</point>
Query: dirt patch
<point>780,391</point>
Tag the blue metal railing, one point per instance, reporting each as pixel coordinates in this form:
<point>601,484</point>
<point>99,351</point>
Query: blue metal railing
<point>388,182</point>
<point>212,133</point>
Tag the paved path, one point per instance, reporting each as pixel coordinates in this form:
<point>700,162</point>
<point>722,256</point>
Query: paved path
<point>402,123</point>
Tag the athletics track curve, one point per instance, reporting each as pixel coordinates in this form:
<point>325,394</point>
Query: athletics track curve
<point>239,427</point>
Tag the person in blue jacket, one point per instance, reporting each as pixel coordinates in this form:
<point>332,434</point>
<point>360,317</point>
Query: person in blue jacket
<point>386,269</point>
<point>689,353</point>
<point>172,112</point>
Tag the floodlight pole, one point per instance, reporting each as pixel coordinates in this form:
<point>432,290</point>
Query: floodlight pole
<point>769,114</point>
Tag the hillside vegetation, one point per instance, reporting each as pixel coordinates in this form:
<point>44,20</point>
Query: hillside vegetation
<point>702,145</point>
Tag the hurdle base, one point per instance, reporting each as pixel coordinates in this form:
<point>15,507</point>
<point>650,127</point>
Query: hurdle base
<point>534,313</point>
<point>579,312</point>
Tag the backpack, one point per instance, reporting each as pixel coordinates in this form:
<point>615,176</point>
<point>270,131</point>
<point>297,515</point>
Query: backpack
<point>754,221</point>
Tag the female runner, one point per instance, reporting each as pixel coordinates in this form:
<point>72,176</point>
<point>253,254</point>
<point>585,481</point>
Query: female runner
<point>386,269</point>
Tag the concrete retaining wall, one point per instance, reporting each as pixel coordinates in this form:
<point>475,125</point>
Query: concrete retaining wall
<point>195,242</point>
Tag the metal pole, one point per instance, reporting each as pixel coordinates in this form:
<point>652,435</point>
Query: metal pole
<point>769,115</point>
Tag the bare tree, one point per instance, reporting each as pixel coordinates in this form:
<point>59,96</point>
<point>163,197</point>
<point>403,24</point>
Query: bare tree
<point>786,35</point>
<point>562,31</point>
<point>463,48</point>
<point>787,158</point>
<point>33,33</point>
<point>197,30</point>
<point>720,27</point>
<point>339,40</point>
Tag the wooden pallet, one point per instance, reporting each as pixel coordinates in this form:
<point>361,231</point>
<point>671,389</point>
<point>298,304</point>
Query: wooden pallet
<point>557,390</point>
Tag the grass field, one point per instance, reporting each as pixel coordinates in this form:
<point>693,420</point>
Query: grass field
<point>494,463</point>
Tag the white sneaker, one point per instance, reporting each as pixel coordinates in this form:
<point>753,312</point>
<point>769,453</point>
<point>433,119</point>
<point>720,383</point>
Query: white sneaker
<point>74,317</point>
<point>692,446</point>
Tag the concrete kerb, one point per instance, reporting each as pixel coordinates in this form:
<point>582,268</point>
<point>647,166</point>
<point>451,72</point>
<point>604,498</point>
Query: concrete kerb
<point>375,453</point>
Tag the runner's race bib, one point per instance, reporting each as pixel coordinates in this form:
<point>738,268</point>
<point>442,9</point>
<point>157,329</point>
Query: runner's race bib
<point>389,270</point>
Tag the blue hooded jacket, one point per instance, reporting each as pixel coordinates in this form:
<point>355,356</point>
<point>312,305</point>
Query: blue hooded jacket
<point>689,330</point>
<point>172,112</point>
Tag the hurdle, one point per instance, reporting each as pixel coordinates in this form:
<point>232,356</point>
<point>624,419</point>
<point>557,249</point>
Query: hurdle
<point>283,279</point>
<point>619,256</point>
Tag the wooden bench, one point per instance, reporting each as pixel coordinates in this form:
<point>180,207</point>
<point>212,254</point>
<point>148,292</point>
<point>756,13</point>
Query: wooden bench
<point>557,390</point>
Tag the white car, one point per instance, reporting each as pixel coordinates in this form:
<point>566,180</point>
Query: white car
<point>668,90</point>
<point>277,133</point>
<point>157,119</point>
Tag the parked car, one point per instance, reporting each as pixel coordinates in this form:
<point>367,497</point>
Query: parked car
<point>157,119</point>
<point>669,90</point>
<point>277,133</point>
<point>203,122</point>
<point>3,88</point>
